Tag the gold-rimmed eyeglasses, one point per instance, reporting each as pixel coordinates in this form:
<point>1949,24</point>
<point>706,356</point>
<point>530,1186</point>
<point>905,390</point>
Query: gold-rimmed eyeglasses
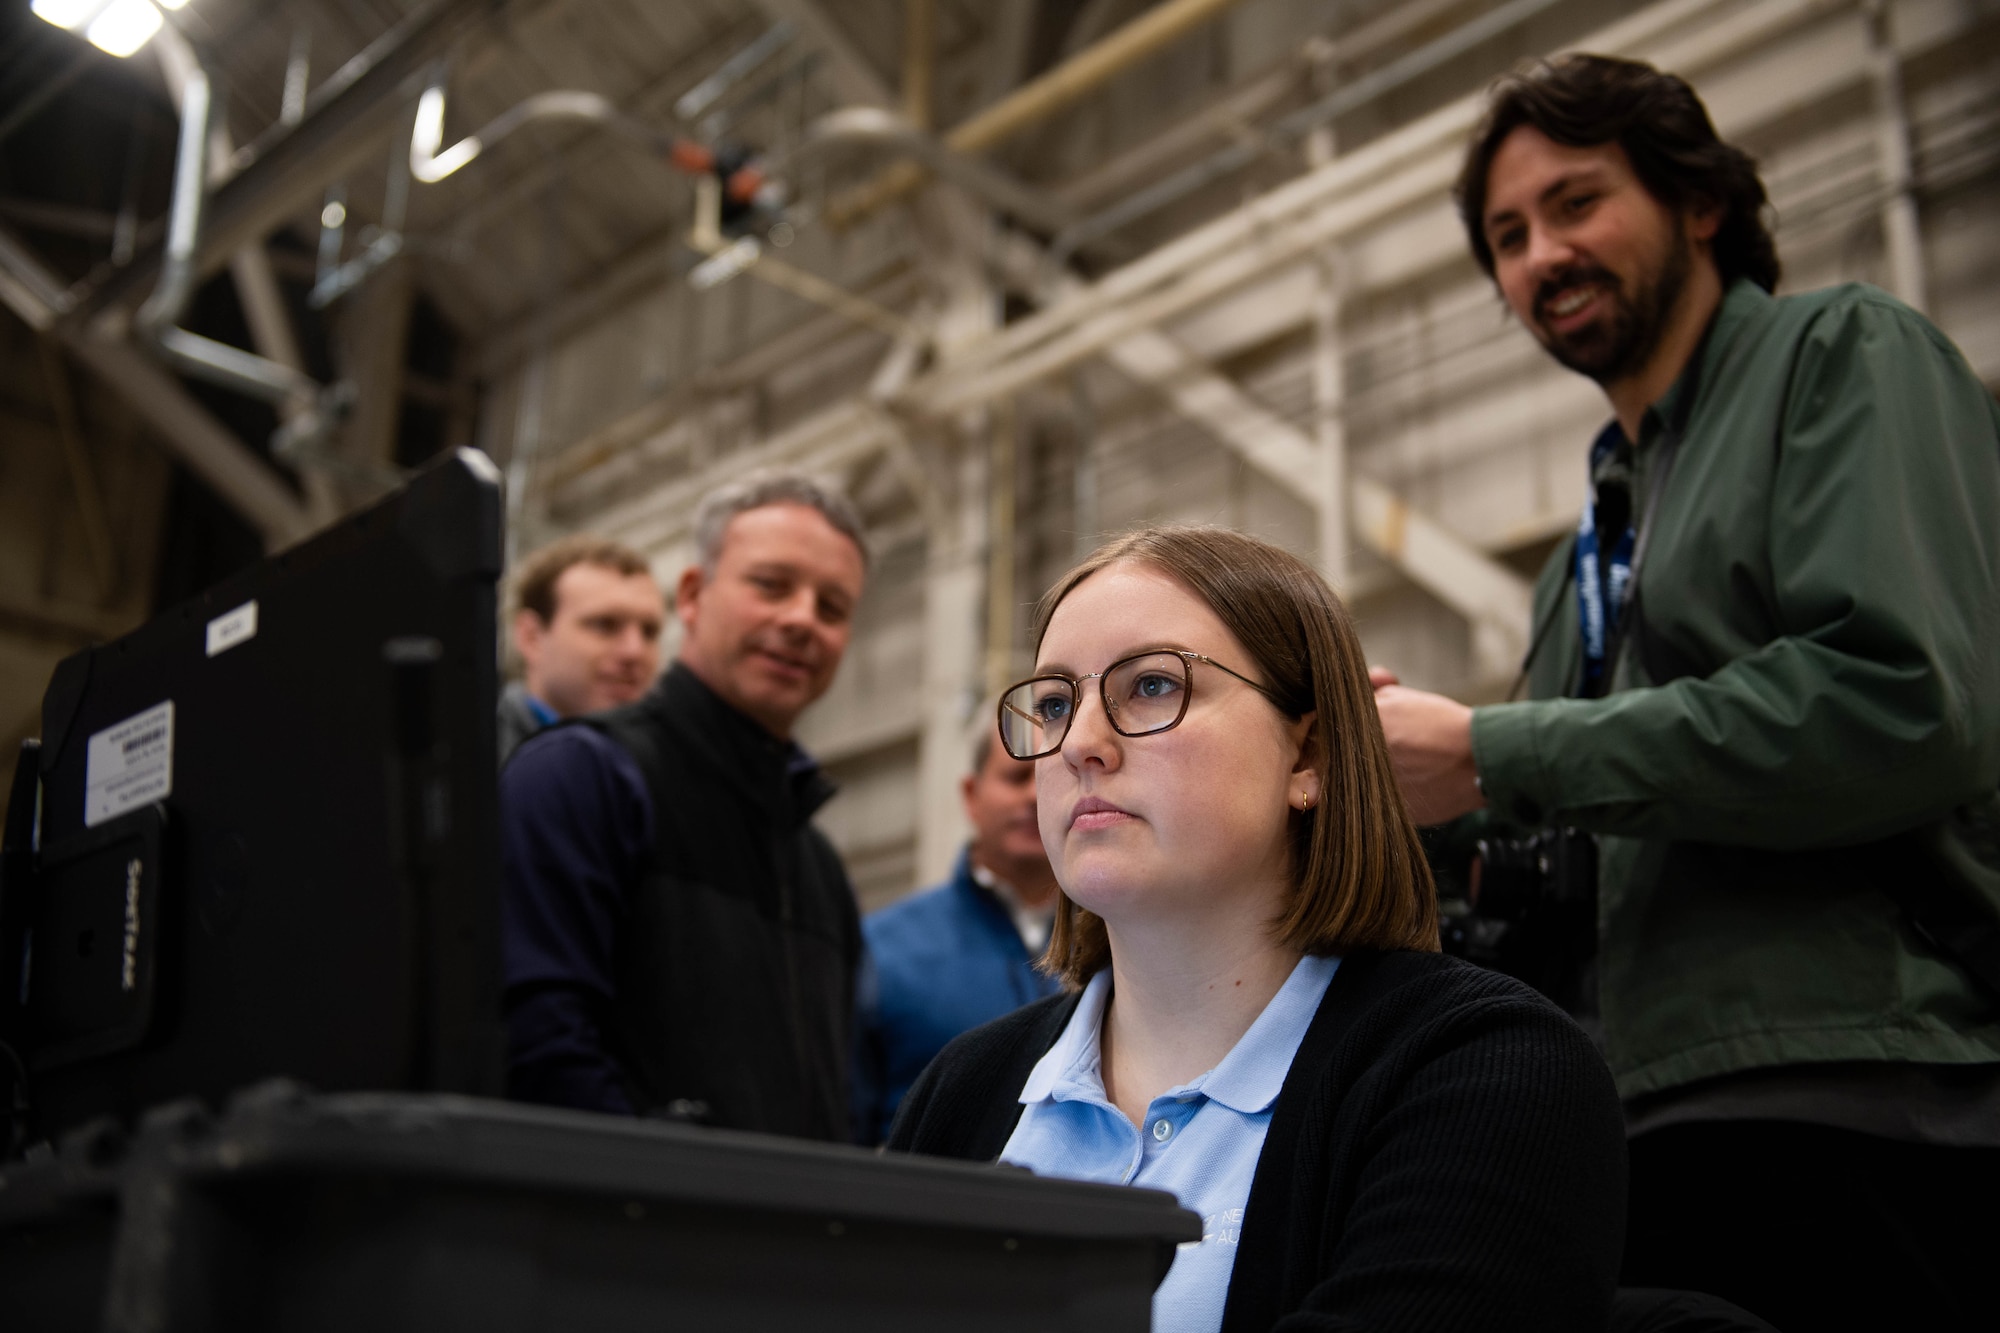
<point>1144,694</point>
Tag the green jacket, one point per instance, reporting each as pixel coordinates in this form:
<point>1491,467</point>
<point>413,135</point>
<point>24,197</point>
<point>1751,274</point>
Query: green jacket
<point>1810,706</point>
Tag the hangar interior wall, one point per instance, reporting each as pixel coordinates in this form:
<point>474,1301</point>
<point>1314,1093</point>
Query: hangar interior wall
<point>1446,402</point>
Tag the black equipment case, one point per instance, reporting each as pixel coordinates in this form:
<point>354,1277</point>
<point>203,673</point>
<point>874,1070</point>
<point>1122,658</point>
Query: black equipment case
<point>406,1212</point>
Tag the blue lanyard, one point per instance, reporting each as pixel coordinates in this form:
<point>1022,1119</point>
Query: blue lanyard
<point>1599,606</point>
<point>1594,607</point>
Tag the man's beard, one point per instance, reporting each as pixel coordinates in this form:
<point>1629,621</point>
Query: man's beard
<point>1624,340</point>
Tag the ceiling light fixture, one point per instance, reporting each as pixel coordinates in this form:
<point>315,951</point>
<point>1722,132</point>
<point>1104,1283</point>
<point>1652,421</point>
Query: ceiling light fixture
<point>70,14</point>
<point>124,26</point>
<point>427,164</point>
<point>117,27</point>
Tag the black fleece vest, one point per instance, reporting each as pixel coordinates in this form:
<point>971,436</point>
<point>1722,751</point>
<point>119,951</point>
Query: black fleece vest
<point>735,963</point>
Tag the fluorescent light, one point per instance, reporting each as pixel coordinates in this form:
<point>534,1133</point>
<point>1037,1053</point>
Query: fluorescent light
<point>70,14</point>
<point>170,4</point>
<point>427,164</point>
<point>124,26</point>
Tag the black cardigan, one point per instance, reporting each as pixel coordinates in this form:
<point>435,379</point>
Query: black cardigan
<point>1447,1153</point>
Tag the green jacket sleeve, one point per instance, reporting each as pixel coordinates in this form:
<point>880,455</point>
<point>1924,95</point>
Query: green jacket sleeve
<point>1876,707</point>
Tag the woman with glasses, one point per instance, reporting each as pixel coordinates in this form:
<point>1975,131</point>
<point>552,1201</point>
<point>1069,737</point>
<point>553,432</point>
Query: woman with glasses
<point>1257,1018</point>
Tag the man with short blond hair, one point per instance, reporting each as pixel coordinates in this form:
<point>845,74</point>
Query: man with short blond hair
<point>678,940</point>
<point>586,629</point>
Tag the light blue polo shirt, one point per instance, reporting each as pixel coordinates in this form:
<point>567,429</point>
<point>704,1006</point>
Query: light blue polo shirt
<point>1200,1141</point>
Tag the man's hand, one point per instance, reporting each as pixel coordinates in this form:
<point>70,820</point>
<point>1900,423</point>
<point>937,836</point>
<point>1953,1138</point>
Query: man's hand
<point>1430,749</point>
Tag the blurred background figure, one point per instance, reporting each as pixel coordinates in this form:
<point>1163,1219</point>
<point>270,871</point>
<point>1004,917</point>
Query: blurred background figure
<point>947,959</point>
<point>587,624</point>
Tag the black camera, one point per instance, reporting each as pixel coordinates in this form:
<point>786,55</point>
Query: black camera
<point>1526,906</point>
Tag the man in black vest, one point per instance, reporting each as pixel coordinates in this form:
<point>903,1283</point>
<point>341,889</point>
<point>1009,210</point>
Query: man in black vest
<point>678,940</point>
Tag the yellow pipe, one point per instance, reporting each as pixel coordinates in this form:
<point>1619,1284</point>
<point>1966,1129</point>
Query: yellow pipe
<point>1080,75</point>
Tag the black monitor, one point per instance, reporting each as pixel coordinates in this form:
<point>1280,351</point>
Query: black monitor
<point>259,837</point>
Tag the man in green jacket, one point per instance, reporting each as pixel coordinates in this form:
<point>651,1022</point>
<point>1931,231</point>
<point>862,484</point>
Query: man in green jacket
<point>1765,672</point>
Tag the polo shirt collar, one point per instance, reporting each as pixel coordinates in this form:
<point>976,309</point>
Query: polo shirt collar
<point>1072,1068</point>
<point>1248,1079</point>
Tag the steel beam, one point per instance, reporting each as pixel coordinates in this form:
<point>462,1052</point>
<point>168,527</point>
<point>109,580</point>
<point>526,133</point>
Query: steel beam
<point>1492,597</point>
<point>203,444</point>
<point>1488,594</point>
<point>190,433</point>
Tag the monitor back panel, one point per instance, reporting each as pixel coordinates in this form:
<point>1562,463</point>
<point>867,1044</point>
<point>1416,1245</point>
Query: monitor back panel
<point>308,750</point>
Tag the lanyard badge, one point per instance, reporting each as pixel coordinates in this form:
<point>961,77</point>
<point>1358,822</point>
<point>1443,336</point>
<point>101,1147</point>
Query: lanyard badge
<point>1600,597</point>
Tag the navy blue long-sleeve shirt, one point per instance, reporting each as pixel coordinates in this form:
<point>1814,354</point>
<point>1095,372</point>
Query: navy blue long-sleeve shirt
<point>576,824</point>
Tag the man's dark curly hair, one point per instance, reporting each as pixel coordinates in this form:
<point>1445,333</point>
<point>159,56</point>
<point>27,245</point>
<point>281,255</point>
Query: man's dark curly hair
<point>1585,100</point>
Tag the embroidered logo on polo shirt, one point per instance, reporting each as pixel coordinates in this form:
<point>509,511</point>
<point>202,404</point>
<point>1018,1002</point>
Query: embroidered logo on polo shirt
<point>1222,1228</point>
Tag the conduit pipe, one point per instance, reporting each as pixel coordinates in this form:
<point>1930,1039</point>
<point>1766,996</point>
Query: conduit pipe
<point>1037,100</point>
<point>257,289</point>
<point>431,163</point>
<point>1295,126</point>
<point>157,323</point>
<point>732,71</point>
<point>874,126</point>
<point>728,258</point>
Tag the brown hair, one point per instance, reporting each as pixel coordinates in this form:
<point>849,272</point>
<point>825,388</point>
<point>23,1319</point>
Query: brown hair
<point>535,577</point>
<point>1360,880</point>
<point>1581,101</point>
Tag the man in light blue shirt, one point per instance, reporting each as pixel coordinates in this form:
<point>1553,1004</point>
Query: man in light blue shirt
<point>943,961</point>
<point>1199,1141</point>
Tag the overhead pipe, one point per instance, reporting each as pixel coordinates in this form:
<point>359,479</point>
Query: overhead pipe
<point>732,71</point>
<point>715,178</point>
<point>1295,126</point>
<point>158,320</point>
<point>431,162</point>
<point>334,279</point>
<point>876,127</point>
<point>1040,98</point>
<point>728,258</point>
<point>271,333</point>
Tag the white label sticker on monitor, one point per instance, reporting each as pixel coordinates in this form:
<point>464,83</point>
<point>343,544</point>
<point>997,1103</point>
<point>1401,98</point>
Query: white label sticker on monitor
<point>129,765</point>
<point>232,628</point>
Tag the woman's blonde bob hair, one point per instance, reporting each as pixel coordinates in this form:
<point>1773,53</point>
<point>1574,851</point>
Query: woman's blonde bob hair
<point>1360,878</point>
